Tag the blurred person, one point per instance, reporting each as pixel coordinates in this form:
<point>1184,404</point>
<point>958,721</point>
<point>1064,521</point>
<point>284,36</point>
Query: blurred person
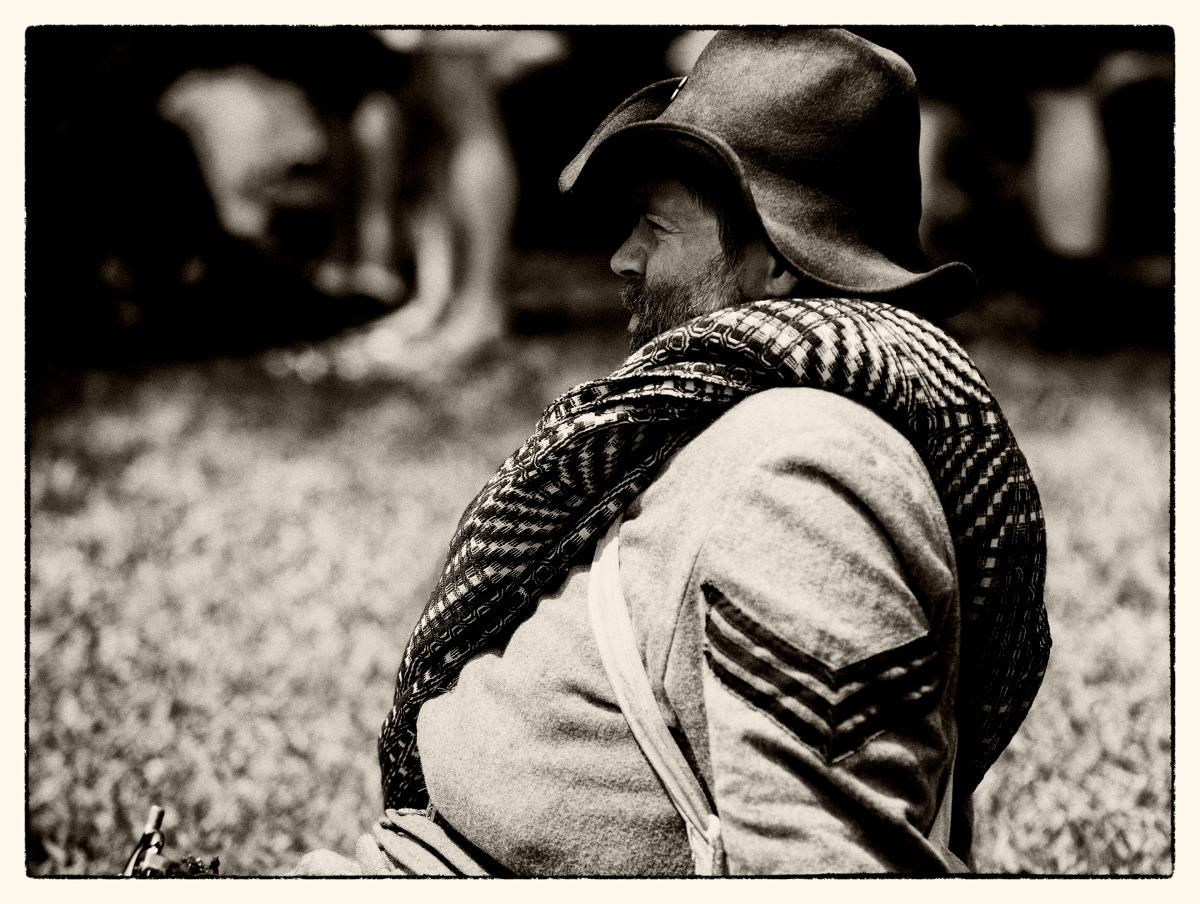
<point>402,150</point>
<point>459,226</point>
<point>194,168</point>
<point>259,140</point>
<point>277,136</point>
<point>768,599</point>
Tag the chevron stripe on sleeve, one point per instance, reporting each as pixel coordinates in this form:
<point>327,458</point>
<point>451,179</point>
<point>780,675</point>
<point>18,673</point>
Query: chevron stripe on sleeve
<point>835,711</point>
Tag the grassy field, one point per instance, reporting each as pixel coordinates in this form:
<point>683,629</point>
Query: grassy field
<point>226,561</point>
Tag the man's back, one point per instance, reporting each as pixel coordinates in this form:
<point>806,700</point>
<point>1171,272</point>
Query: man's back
<point>791,580</point>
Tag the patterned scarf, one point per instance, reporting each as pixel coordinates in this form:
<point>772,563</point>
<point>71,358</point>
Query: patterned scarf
<point>602,443</point>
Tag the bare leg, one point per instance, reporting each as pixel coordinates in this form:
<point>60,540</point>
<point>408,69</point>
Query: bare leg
<point>459,235</point>
<point>481,177</point>
<point>378,129</point>
<point>483,185</point>
<point>432,239</point>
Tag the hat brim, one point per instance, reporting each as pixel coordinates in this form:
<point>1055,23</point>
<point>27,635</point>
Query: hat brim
<point>936,293</point>
<point>643,106</point>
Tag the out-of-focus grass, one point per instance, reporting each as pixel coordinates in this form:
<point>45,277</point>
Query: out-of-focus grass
<point>225,565</point>
<point>1085,787</point>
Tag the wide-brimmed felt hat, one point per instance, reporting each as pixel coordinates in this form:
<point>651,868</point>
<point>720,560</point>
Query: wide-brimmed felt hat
<point>819,128</point>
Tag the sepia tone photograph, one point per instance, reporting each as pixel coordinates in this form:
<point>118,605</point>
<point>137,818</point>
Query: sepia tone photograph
<point>599,451</point>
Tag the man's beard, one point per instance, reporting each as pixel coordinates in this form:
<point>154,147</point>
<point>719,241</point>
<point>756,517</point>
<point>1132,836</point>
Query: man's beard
<point>663,306</point>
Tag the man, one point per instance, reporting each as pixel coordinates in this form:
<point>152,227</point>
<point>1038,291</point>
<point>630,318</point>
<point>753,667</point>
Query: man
<point>830,547</point>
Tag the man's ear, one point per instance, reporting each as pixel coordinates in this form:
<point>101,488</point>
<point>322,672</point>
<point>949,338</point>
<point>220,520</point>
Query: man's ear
<point>767,275</point>
<point>781,282</point>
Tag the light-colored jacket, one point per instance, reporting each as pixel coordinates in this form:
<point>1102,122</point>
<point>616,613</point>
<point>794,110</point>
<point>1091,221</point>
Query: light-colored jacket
<point>791,581</point>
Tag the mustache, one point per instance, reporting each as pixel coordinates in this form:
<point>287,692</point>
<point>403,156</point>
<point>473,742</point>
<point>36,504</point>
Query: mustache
<point>633,295</point>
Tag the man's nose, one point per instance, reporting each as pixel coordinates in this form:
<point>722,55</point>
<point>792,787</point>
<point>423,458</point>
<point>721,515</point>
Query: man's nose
<point>629,261</point>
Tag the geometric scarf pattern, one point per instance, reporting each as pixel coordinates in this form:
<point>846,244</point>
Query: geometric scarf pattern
<point>602,443</point>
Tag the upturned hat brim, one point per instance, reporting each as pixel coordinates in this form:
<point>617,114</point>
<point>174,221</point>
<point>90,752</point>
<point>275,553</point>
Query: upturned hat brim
<point>806,226</point>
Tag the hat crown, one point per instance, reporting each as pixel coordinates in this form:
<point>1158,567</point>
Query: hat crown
<point>820,106</point>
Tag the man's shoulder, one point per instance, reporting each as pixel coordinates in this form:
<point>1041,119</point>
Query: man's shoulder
<point>797,461</point>
<point>831,533</point>
<point>821,427</point>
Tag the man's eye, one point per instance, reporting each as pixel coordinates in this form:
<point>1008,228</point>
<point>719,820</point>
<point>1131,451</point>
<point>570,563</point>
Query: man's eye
<point>656,225</point>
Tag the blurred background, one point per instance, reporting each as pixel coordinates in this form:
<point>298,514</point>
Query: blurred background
<point>293,294</point>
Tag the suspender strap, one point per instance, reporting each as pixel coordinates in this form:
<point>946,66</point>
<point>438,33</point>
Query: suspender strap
<point>627,674</point>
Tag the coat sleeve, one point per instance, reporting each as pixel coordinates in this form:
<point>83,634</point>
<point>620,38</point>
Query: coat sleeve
<point>822,625</point>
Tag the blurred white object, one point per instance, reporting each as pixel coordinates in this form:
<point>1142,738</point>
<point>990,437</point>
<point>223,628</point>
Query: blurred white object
<point>685,49</point>
<point>250,132</point>
<point>1069,170</point>
<point>509,54</point>
<point>1128,67</point>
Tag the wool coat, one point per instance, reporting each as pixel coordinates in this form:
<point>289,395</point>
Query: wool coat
<point>792,585</point>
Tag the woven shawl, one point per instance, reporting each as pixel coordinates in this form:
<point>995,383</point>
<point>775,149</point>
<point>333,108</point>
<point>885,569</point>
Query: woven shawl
<point>602,443</point>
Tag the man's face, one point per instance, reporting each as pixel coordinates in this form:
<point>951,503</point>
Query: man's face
<point>673,263</point>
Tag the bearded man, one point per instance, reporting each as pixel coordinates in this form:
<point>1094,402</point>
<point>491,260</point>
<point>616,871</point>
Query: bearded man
<point>768,599</point>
